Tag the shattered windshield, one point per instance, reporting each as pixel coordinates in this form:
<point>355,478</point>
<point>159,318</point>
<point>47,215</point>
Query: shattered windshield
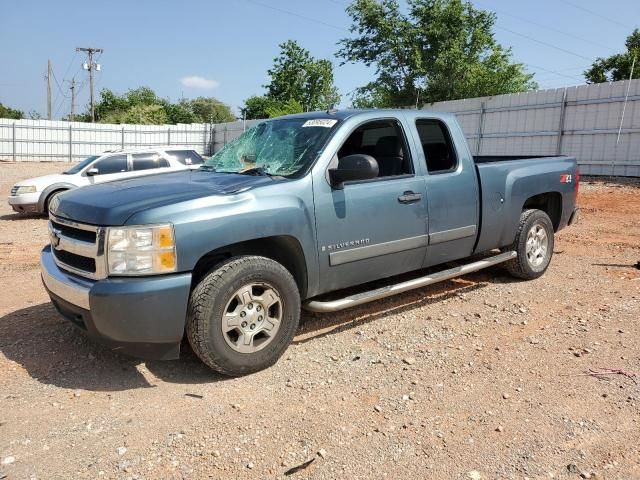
<point>277,147</point>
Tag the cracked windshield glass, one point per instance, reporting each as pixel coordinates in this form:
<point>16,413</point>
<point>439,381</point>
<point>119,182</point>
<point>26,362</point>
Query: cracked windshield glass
<point>276,147</point>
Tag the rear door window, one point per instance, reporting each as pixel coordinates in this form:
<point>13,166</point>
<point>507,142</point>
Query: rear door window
<point>113,164</point>
<point>186,157</point>
<point>148,161</point>
<point>437,146</point>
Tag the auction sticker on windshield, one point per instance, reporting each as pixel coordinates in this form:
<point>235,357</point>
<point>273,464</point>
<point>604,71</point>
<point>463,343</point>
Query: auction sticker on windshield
<point>320,122</point>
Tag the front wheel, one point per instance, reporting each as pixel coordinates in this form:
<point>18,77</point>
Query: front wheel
<point>533,244</point>
<point>243,315</point>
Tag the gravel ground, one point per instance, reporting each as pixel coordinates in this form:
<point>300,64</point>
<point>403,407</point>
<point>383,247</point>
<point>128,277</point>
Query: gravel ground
<point>478,378</point>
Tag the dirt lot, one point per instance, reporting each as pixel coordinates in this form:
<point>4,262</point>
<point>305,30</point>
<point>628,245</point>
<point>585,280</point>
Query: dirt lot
<point>482,377</point>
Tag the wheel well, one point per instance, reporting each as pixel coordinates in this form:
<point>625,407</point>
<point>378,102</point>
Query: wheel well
<point>283,249</point>
<point>48,197</point>
<point>550,203</point>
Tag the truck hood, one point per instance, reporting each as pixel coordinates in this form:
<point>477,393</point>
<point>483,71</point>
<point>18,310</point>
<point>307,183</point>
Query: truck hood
<point>113,203</point>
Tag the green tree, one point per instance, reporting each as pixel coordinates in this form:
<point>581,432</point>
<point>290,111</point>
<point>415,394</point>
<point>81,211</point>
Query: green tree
<point>616,67</point>
<point>296,75</point>
<point>142,105</point>
<point>8,112</point>
<point>298,82</point>
<point>138,114</point>
<point>257,107</point>
<point>210,110</point>
<point>277,109</point>
<point>180,112</point>
<point>438,50</point>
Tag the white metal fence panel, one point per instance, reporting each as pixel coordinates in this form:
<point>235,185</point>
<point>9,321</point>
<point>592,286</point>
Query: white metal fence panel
<point>44,140</point>
<point>580,121</point>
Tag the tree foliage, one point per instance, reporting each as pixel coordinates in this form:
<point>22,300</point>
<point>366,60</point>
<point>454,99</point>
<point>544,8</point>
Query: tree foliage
<point>266,107</point>
<point>298,82</point>
<point>8,112</point>
<point>616,67</point>
<point>438,50</point>
<point>143,106</point>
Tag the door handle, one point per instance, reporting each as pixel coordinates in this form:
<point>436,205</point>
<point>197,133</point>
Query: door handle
<point>410,197</point>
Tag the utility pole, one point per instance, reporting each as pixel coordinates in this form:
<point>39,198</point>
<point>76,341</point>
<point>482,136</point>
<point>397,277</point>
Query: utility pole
<point>72,87</point>
<point>49,90</point>
<point>91,66</point>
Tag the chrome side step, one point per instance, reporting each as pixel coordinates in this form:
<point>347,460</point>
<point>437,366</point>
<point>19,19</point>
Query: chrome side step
<point>378,293</point>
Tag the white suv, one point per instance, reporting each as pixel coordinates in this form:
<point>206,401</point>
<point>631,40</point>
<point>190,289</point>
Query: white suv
<point>35,194</point>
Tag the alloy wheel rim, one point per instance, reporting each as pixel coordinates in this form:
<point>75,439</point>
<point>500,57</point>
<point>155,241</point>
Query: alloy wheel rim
<point>252,317</point>
<point>537,245</point>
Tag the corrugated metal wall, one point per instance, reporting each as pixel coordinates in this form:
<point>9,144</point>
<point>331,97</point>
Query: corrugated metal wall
<point>43,140</point>
<point>580,121</point>
<point>58,141</point>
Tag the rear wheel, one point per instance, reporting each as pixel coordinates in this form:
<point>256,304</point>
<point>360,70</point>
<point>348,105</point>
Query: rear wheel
<point>243,314</point>
<point>534,245</point>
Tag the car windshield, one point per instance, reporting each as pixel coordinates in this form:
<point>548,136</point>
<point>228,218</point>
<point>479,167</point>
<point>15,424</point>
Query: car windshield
<point>281,147</point>
<point>79,166</point>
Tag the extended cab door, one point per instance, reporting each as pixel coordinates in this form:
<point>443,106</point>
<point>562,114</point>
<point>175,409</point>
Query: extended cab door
<point>373,228</point>
<point>451,189</point>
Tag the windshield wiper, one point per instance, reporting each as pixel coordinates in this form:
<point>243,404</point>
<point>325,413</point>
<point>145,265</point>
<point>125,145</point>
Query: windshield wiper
<point>207,168</point>
<point>257,171</point>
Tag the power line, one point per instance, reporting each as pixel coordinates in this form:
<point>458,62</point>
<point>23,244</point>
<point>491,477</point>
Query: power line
<point>293,14</point>
<point>553,29</point>
<point>550,45</point>
<point>580,7</point>
<point>64,77</point>
<point>555,72</point>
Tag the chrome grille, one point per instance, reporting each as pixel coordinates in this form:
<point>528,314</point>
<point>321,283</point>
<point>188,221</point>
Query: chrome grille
<point>78,247</point>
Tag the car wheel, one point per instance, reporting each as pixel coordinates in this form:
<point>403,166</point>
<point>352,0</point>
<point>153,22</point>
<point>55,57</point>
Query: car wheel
<point>243,314</point>
<point>533,244</point>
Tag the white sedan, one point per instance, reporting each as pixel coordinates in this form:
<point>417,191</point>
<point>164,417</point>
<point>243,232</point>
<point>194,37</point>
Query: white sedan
<point>35,194</point>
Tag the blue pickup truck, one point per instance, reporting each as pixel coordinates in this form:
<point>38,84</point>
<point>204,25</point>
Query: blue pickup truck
<point>295,209</point>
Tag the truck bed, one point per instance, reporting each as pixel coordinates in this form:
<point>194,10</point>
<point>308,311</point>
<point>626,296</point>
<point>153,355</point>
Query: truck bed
<point>506,182</point>
<point>505,158</point>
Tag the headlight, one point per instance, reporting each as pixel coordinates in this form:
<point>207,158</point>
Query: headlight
<point>141,250</point>
<point>25,189</point>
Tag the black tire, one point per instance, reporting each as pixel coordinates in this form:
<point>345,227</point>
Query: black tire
<point>522,266</point>
<point>210,300</point>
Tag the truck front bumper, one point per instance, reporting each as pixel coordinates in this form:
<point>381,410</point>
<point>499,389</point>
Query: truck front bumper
<point>143,317</point>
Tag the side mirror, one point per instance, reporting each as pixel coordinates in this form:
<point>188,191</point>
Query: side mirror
<point>353,167</point>
<point>92,171</point>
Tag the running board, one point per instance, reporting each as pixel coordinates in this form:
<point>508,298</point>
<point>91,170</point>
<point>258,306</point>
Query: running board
<point>378,293</point>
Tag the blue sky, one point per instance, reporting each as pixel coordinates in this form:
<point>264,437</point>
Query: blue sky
<point>230,44</point>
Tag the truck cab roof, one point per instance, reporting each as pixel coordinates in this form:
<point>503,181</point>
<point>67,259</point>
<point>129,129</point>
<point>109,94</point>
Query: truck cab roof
<point>368,112</point>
